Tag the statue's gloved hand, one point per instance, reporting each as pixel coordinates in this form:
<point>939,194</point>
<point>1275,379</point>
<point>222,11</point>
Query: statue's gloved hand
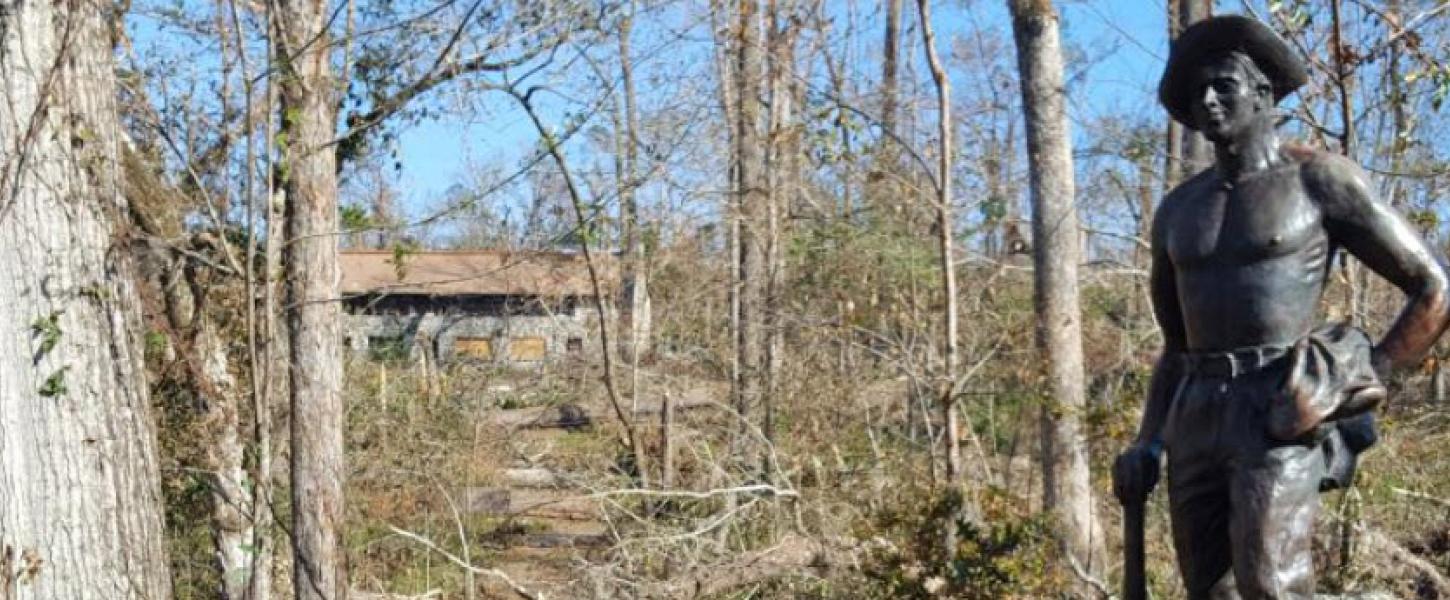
<point>1135,473</point>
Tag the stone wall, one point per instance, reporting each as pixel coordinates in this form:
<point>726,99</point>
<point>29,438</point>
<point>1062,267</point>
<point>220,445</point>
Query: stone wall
<point>440,333</point>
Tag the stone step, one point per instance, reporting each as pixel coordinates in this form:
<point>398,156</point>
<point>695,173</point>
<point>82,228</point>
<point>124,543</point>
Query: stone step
<point>577,416</point>
<point>551,540</point>
<point>534,477</point>
<point>528,503</point>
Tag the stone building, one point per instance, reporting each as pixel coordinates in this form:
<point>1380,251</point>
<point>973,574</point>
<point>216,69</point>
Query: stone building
<point>515,307</point>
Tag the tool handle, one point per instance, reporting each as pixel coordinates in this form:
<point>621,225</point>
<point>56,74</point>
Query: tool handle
<point>1135,583</point>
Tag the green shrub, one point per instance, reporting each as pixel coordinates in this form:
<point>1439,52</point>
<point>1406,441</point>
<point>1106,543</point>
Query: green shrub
<point>1005,553</point>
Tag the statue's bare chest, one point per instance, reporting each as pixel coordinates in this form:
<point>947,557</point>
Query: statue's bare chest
<point>1263,218</point>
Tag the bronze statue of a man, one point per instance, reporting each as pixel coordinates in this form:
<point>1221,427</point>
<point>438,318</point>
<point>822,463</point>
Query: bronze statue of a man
<point>1252,402</point>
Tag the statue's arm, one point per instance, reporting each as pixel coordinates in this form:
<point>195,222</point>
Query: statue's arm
<point>1167,372</point>
<point>1377,235</point>
<point>1135,472</point>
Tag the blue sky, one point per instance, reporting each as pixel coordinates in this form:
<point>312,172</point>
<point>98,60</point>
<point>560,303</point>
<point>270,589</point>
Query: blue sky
<point>1126,37</point>
<point>1123,43</point>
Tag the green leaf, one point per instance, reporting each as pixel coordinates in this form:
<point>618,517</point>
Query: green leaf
<point>354,217</point>
<point>55,384</point>
<point>48,329</point>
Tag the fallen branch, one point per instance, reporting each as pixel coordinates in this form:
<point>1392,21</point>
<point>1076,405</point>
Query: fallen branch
<point>1442,503</point>
<point>1087,578</point>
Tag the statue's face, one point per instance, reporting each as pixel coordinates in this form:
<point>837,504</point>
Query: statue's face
<point>1229,100</point>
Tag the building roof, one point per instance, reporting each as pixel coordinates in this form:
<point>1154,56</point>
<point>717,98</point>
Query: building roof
<point>474,272</point>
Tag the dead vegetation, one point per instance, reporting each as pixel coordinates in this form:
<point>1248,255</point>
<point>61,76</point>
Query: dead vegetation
<point>513,483</point>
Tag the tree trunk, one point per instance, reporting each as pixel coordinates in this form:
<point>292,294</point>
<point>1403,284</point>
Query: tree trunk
<point>1188,152</point>
<point>208,375</point>
<point>274,387</point>
<point>309,177</point>
<point>1197,156</point>
<point>231,498</point>
<point>636,275</point>
<point>889,50</point>
<point>753,211</point>
<point>80,500</point>
<point>946,394</point>
<point>1399,112</point>
<point>782,189</point>
<point>1067,485</point>
<point>726,50</point>
<point>267,381</point>
<point>1173,162</point>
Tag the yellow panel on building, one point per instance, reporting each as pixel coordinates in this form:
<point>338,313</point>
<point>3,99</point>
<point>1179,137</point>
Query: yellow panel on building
<point>526,349</point>
<point>480,348</point>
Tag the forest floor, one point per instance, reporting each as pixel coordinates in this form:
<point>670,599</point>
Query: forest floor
<point>522,474</point>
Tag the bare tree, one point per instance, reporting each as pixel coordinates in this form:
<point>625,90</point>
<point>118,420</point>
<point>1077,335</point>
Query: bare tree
<point>80,514</point>
<point>948,391</point>
<point>1067,481</point>
<point>636,273</point>
<point>783,182</point>
<point>309,180</point>
<point>751,209</point>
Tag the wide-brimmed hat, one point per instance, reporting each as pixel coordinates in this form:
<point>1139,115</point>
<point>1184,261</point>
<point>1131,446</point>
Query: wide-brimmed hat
<point>1214,36</point>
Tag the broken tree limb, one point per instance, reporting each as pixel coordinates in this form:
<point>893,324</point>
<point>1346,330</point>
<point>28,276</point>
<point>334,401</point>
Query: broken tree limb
<point>1441,502</point>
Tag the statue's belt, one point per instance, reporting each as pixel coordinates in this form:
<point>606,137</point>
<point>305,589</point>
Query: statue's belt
<point>1328,375</point>
<point>1233,363</point>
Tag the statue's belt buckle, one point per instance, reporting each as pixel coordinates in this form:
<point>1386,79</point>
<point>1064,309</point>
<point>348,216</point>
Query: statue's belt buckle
<point>1233,363</point>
